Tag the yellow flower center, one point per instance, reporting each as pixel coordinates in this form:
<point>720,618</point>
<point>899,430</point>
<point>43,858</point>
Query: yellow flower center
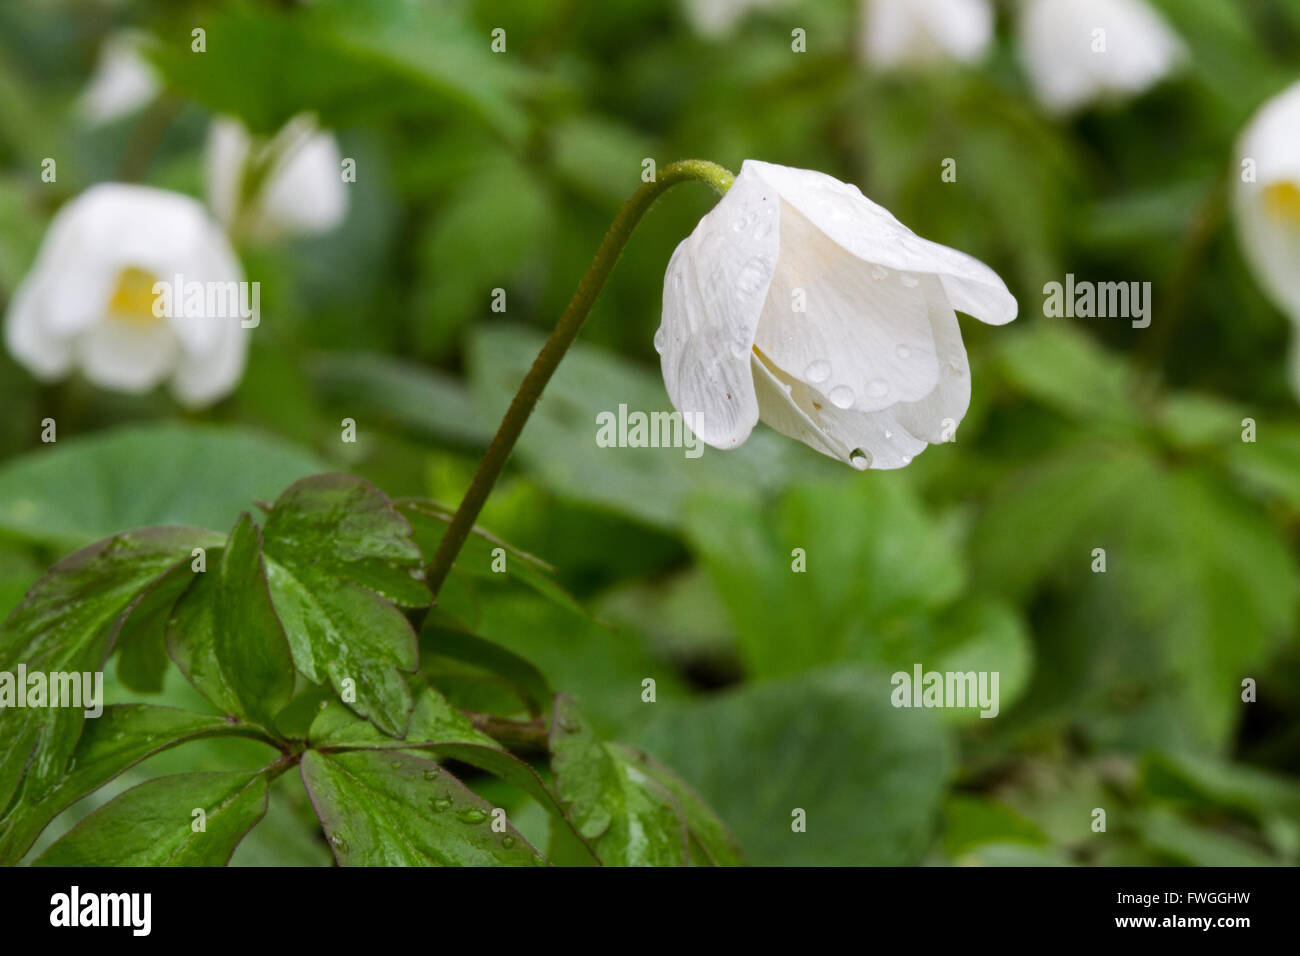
<point>132,301</point>
<point>1282,199</point>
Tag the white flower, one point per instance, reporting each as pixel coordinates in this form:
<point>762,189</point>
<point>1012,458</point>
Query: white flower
<point>1267,208</point>
<point>1078,51</point>
<point>88,302</point>
<point>899,32</point>
<point>123,81</point>
<point>799,301</point>
<point>296,175</point>
<point>717,18</point>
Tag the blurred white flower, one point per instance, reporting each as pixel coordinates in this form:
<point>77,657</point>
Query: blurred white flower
<point>902,32</point>
<point>291,184</point>
<point>88,302</point>
<point>1266,203</point>
<point>717,18</point>
<point>800,302</point>
<point>123,81</point>
<point>1079,51</point>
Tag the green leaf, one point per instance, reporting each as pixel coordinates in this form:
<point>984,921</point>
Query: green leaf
<point>479,554</point>
<point>141,645</point>
<point>1048,517</point>
<point>630,818</point>
<point>396,809</point>
<point>346,61</point>
<point>439,728</point>
<point>67,624</point>
<point>972,823</point>
<point>426,403</point>
<point>1271,462</point>
<point>464,255</point>
<point>83,489</point>
<point>874,561</point>
<point>153,824</point>
<point>1190,844</point>
<point>339,559</point>
<point>559,446</point>
<point>708,834</point>
<point>433,720</point>
<point>1067,371</point>
<point>455,645</point>
<point>868,776</point>
<point>225,637</point>
<point>512,770</point>
<point>121,737</point>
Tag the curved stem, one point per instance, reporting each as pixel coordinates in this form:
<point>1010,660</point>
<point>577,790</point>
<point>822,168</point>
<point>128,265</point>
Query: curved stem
<point>548,359</point>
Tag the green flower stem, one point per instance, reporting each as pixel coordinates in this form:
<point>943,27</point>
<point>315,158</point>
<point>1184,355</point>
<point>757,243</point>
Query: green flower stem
<point>548,359</point>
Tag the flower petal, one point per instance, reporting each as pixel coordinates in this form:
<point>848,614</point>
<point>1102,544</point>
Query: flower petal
<point>203,379</point>
<point>862,439</point>
<point>871,233</point>
<point>935,417</point>
<point>714,289</point>
<point>126,357</point>
<point>863,339</point>
<point>45,355</point>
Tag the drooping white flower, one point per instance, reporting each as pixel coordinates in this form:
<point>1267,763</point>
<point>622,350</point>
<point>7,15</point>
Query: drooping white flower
<point>800,302</point>
<point>295,179</point>
<point>717,18</point>
<point>902,32</point>
<point>1079,51</point>
<point>89,301</point>
<point>1266,204</point>
<point>123,81</point>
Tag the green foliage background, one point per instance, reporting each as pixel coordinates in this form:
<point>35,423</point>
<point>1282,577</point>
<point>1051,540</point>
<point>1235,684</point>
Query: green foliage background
<point>475,171</point>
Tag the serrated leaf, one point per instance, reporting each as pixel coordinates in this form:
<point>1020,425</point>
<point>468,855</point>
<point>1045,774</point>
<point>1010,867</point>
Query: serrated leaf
<point>153,824</point>
<point>478,555</point>
<point>629,817</point>
<point>339,560</point>
<point>707,831</point>
<point>67,623</point>
<point>433,720</point>
<point>225,637</point>
<point>396,809</point>
<point>527,682</point>
<point>121,737</point>
<point>141,645</point>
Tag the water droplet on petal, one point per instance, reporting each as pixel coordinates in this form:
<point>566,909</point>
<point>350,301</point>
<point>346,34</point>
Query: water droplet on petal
<point>910,282</point>
<point>907,459</point>
<point>340,844</point>
<point>432,773</point>
<point>440,804</point>
<point>859,459</point>
<point>879,272</point>
<point>751,276</point>
<point>877,388</point>
<point>659,340</point>
<point>507,841</point>
<point>841,396</point>
<point>954,370</point>
<point>903,352</point>
<point>888,433</point>
<point>471,815</point>
<point>817,372</point>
